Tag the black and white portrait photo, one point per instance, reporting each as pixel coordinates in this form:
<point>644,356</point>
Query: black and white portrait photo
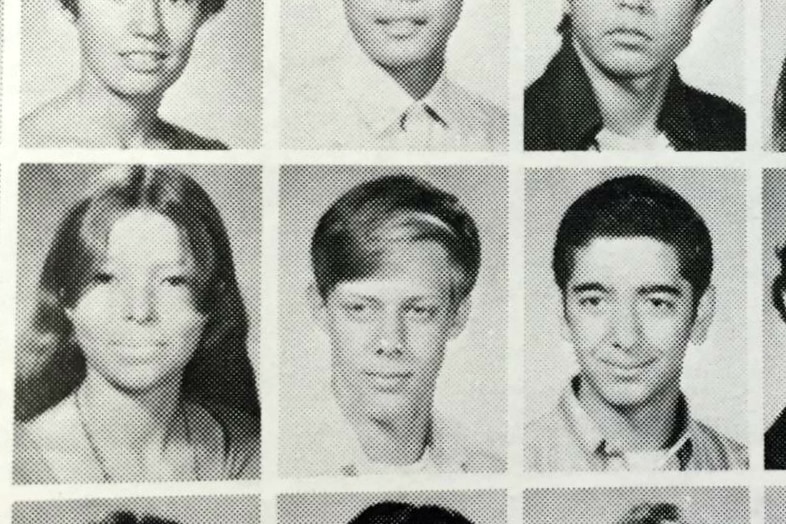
<point>415,507</point>
<point>141,74</point>
<point>638,505</point>
<point>382,75</point>
<point>138,324</point>
<point>774,316</point>
<point>640,75</point>
<point>392,320</point>
<point>773,85</point>
<point>635,301</point>
<point>236,509</point>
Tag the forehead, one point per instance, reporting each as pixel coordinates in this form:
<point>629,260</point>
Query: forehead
<point>145,237</point>
<point>422,266</point>
<point>626,260</point>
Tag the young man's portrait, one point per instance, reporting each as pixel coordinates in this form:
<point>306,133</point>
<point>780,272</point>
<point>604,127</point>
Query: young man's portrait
<point>392,362</point>
<point>639,75</point>
<point>647,289</point>
<point>381,75</point>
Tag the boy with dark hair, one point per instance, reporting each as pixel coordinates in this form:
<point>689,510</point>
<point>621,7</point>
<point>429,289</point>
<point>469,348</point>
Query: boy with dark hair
<point>633,261</point>
<point>614,85</point>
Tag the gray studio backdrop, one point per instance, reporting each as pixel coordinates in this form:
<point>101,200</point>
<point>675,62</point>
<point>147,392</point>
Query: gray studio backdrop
<point>715,378</point>
<point>46,192</point>
<point>471,389</point>
<point>236,509</point>
<point>699,505</point>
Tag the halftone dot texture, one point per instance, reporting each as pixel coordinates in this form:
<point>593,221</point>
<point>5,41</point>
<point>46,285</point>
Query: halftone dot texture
<point>50,362</point>
<point>471,389</point>
<point>773,241</point>
<point>214,103</point>
<point>773,81</point>
<point>637,505</point>
<point>477,507</point>
<point>160,510</point>
<point>774,504</point>
<point>337,94</point>
<point>714,373</point>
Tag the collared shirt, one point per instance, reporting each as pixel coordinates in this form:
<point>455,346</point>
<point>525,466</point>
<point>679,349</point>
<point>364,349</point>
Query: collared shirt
<point>322,442</point>
<point>349,102</point>
<point>567,439</point>
<point>561,112</point>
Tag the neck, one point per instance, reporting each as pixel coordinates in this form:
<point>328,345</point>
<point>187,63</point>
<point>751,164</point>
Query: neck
<point>127,121</point>
<point>417,79</point>
<point>129,421</point>
<point>398,437</point>
<point>642,427</point>
<point>628,106</point>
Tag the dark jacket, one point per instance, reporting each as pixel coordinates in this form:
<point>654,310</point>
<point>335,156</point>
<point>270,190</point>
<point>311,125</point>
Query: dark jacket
<point>561,112</point>
<point>775,444</point>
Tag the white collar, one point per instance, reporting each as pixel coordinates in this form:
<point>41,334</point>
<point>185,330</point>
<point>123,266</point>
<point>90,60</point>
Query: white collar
<point>380,100</point>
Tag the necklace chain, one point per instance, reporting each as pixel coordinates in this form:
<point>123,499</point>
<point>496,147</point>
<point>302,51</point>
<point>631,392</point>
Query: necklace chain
<point>99,457</point>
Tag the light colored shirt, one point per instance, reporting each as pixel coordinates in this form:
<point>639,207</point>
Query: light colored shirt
<point>349,102</point>
<point>324,443</point>
<point>225,444</point>
<point>607,140</point>
<point>567,439</point>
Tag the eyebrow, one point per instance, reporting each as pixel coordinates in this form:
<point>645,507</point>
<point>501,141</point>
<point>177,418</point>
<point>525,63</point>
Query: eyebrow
<point>662,288</point>
<point>589,286</point>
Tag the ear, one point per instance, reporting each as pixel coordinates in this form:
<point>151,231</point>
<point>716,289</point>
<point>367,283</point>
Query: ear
<point>705,311</point>
<point>460,317</point>
<point>318,306</point>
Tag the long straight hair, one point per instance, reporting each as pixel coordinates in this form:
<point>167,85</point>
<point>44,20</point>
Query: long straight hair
<point>50,364</point>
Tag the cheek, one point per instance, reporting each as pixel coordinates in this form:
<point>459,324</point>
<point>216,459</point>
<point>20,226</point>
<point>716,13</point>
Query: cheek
<point>587,330</point>
<point>350,340</point>
<point>669,335</point>
<point>182,30</point>
<point>427,343</point>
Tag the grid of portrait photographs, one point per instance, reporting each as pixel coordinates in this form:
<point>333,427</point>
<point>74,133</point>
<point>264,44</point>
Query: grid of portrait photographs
<point>393,261</point>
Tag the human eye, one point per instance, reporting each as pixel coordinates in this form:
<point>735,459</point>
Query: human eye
<point>661,303</point>
<point>176,280</point>
<point>590,301</point>
<point>357,309</point>
<point>103,277</point>
<point>422,312</point>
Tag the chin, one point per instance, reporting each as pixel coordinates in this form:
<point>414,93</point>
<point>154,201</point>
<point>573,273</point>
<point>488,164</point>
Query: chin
<point>387,406</point>
<point>397,58</point>
<point>625,395</point>
<point>623,65</point>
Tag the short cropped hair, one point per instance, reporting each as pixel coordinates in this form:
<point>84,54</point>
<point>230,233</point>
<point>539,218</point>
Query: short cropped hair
<point>352,237</point>
<point>403,513</point>
<point>207,7</point>
<point>635,206</point>
<point>651,513</point>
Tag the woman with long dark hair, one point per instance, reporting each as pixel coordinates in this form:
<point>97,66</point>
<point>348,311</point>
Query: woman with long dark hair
<point>135,366</point>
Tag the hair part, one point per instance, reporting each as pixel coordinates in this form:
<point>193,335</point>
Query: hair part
<point>352,238</point>
<point>52,365</point>
<point>405,513</point>
<point>635,206</point>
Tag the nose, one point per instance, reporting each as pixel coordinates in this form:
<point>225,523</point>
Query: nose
<point>144,18</point>
<point>625,329</point>
<point>138,303</point>
<point>391,338</point>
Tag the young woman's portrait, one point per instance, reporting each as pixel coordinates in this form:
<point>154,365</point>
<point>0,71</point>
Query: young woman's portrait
<point>134,340</point>
<point>142,74</point>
